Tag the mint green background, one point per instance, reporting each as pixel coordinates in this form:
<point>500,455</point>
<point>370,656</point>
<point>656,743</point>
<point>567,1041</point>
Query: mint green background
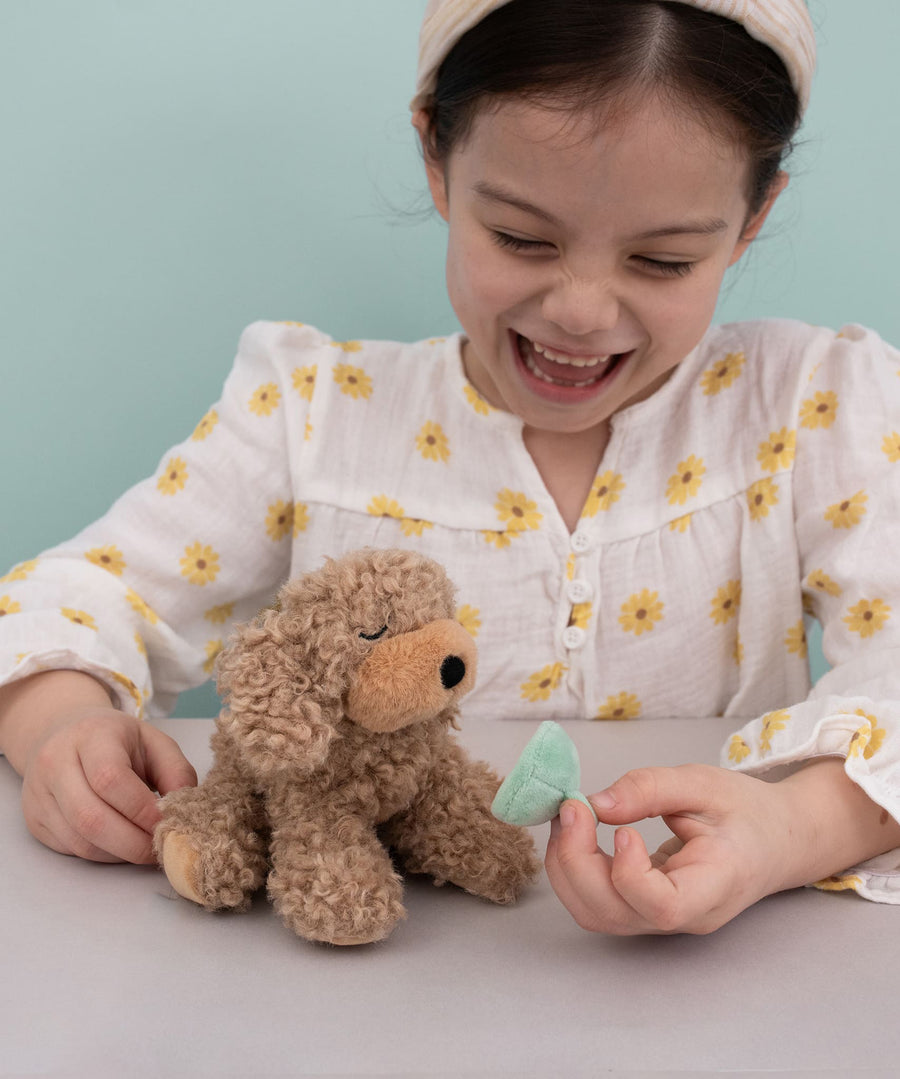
<point>173,170</point>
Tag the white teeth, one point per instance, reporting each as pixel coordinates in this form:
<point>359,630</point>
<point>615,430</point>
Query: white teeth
<point>570,361</point>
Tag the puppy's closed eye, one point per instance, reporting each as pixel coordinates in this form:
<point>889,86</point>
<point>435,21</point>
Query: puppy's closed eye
<point>374,636</point>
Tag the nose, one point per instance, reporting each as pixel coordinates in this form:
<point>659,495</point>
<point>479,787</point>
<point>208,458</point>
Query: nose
<point>581,306</point>
<point>453,671</point>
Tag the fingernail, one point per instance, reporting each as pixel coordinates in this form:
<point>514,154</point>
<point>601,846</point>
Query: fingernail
<point>622,839</point>
<point>567,816</point>
<point>603,800</point>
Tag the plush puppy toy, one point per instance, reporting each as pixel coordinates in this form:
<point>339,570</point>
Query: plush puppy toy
<point>335,746</point>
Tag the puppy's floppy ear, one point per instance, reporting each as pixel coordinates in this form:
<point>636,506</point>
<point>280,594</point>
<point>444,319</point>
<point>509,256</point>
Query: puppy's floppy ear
<point>276,719</point>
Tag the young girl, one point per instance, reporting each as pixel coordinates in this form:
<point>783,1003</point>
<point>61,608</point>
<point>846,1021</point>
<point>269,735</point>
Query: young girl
<point>637,508</point>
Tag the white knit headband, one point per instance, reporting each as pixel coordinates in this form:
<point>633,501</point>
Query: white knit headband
<point>783,25</point>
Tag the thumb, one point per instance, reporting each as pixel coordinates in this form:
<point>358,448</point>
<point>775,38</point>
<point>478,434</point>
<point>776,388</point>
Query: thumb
<point>657,792</point>
<point>167,767</point>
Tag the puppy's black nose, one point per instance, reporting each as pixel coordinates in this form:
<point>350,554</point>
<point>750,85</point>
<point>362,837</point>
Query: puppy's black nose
<point>453,671</point>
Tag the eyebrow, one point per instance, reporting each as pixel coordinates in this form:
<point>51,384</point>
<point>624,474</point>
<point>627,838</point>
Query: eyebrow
<point>702,227</point>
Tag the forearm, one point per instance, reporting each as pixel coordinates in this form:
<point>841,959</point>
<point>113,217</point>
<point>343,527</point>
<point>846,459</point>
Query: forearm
<point>28,708</point>
<point>833,822</point>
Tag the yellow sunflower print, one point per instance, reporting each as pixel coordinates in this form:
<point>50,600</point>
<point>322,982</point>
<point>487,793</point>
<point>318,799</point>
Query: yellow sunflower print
<point>382,506</point>
<point>516,511</point>
<point>839,883</point>
<point>432,443</point>
<point>848,513</point>
<point>301,518</point>
<point>778,450</point>
<point>142,608</point>
<point>581,615</point>
<point>173,478</point>
<point>606,489</point>
<point>205,426</point>
<point>109,558</point>
<point>795,640</point>
<point>8,606</point>
<point>542,683</point>
<point>80,618</point>
<point>130,688</point>
<point>685,483</point>
<point>737,653</point>
<point>641,612</point>
<point>500,540</point>
<point>347,346</point>
<point>200,564</point>
<point>761,496</point>
<point>868,738</point>
<point>213,648</point>
<point>681,524</point>
<point>723,374</point>
<point>772,722</point>
<point>19,572</point>
<point>469,618</point>
<point>353,381</point>
<point>265,400</point>
<point>725,603</point>
<point>476,400</point>
<point>867,617</point>
<point>304,381</point>
<point>219,615</point>
<point>819,411</point>
<point>891,446</point>
<point>821,582</point>
<point>139,644</point>
<point>413,526</point>
<point>620,706</point>
<point>738,750</point>
<point>280,520</point>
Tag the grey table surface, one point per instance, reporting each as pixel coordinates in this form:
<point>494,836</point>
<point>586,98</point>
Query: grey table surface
<point>106,972</point>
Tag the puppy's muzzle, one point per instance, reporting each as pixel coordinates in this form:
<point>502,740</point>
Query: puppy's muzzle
<point>412,677</point>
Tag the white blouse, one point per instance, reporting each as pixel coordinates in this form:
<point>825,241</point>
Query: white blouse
<point>760,484</point>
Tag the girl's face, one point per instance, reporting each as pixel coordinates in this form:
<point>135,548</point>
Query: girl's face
<point>584,261</point>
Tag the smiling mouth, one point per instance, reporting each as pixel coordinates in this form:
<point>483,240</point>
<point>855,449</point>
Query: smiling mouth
<point>559,369</point>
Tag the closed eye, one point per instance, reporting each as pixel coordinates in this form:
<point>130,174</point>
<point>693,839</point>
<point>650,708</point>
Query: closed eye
<point>373,636</point>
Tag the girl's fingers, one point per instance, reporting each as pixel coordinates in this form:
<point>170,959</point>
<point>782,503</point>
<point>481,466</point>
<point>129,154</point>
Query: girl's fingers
<point>109,773</point>
<point>47,824</point>
<point>167,768</point>
<point>690,789</point>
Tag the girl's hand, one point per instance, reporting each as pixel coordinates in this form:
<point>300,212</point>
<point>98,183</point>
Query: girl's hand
<point>89,782</point>
<point>734,842</point>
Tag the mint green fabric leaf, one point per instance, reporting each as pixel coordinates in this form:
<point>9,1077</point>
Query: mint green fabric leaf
<point>547,773</point>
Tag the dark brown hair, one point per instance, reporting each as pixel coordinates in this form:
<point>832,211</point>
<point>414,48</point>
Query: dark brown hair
<point>572,54</point>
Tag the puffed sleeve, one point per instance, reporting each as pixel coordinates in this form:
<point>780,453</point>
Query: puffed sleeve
<point>143,598</point>
<point>846,489</point>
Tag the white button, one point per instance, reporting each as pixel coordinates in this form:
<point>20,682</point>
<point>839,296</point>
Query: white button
<point>580,541</point>
<point>573,637</point>
<point>580,590</point>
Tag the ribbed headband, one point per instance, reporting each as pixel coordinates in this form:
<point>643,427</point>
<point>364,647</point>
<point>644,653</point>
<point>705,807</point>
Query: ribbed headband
<point>783,25</point>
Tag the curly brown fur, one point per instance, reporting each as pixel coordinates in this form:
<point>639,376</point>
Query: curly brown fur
<point>304,794</point>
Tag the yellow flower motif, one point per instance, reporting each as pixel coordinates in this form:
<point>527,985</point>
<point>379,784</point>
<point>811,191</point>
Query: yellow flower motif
<point>620,706</point>
<point>347,346</point>
<point>725,603</point>
<point>130,688</point>
<point>307,431</point>
<point>581,615</point>
<point>108,558</point>
<point>139,644</point>
<point>412,526</point>
<point>761,496</point>
<point>867,617</point>
<point>606,489</point>
<point>476,400</point>
<point>280,520</point>
<point>353,381</point>
<point>141,607</point>
<point>681,524</point>
<point>868,738</point>
<point>641,612</point>
<point>819,410</point>
<point>821,582</point>
<point>80,618</point>
<point>265,400</point>
<point>737,653</point>
<point>219,615</point>
<point>685,483</point>
<point>891,446</point>
<point>8,606</point>
<point>516,511</point>
<point>19,572</point>
<point>468,618</point>
<point>848,513</point>
<point>301,518</point>
<point>840,883</point>
<point>205,426</point>
<point>723,374</point>
<point>432,442</point>
<point>738,750</point>
<point>213,648</point>
<point>200,564</point>
<point>542,683</point>
<point>771,722</point>
<point>795,640</point>
<point>174,477</point>
<point>304,380</point>
<point>778,451</point>
<point>570,567</point>
<point>382,506</point>
<point>500,540</point>
<point>287,322</point>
